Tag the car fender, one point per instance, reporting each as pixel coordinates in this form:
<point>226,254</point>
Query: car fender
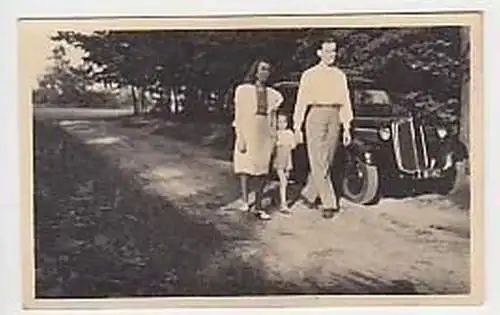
<point>363,151</point>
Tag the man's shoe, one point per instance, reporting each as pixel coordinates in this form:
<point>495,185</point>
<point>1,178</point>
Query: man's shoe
<point>329,213</point>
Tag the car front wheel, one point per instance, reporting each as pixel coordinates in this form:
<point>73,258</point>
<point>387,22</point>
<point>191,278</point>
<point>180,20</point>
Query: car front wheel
<point>361,183</point>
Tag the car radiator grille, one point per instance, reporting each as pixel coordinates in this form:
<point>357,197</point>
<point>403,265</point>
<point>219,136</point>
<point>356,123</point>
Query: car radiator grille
<point>410,146</point>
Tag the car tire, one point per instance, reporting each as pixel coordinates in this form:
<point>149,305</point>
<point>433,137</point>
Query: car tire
<point>364,186</point>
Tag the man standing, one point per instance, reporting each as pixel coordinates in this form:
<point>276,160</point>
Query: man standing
<point>323,89</point>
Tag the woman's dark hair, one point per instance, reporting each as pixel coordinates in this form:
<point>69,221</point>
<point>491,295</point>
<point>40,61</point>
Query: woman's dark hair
<point>252,71</point>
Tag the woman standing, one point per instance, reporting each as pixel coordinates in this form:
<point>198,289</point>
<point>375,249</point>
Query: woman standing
<point>256,105</point>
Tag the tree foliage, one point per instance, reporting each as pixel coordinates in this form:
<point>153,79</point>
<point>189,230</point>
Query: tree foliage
<point>67,85</point>
<point>424,61</point>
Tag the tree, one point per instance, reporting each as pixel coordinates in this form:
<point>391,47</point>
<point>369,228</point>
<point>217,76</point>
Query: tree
<point>113,57</point>
<point>62,83</point>
<point>465,85</point>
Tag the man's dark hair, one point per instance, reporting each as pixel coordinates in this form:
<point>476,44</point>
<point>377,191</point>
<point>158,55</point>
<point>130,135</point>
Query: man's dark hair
<point>327,40</point>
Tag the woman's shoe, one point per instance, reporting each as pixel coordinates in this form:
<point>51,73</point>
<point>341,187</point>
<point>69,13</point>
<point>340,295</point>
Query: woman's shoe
<point>285,210</point>
<point>262,215</point>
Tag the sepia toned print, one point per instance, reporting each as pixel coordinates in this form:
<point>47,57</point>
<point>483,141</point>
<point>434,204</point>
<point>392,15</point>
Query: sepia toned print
<point>282,161</point>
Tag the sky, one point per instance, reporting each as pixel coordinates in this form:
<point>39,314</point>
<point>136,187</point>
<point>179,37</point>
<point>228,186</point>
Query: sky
<point>37,51</point>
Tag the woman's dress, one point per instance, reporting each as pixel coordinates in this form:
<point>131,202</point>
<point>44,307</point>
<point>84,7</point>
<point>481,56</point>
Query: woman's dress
<point>253,124</point>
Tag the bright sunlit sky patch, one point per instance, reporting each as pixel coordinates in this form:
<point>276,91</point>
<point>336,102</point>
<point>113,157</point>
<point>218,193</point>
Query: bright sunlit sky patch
<point>44,45</point>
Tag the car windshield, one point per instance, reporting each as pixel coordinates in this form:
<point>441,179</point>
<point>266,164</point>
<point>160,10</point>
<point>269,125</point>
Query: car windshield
<point>372,97</point>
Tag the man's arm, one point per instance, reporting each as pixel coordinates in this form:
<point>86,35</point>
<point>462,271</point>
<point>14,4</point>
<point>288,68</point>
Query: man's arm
<point>346,113</point>
<point>301,102</point>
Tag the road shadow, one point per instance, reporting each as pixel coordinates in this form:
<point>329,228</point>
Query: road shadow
<point>357,283</point>
<point>98,234</point>
<point>217,137</point>
<point>460,195</point>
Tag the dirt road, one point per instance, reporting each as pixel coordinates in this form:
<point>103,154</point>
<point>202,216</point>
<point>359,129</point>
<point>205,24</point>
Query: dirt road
<point>404,246</point>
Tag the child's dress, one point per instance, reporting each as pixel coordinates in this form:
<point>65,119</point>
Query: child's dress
<point>285,143</point>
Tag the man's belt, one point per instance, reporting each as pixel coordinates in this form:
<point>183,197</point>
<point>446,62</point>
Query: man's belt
<point>325,105</point>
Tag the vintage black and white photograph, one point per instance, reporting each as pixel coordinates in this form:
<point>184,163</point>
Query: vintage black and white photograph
<point>257,161</point>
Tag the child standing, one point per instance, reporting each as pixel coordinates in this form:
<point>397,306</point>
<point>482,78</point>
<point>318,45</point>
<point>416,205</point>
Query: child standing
<point>285,143</point>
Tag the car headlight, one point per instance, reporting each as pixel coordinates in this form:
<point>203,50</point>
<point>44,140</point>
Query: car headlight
<point>368,157</point>
<point>384,133</point>
<point>442,132</point>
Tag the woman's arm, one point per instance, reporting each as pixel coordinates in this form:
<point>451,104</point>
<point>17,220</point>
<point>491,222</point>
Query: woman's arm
<point>277,100</point>
<point>273,116</point>
<point>238,122</point>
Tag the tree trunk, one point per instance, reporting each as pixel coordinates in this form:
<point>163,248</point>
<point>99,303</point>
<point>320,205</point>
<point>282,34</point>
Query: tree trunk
<point>142,103</point>
<point>137,109</point>
<point>465,93</point>
<point>174,100</point>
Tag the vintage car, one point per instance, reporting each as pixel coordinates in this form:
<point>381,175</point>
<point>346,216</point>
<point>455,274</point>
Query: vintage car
<point>392,145</point>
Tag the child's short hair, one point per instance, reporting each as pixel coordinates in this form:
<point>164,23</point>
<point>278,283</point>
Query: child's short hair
<point>284,113</point>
